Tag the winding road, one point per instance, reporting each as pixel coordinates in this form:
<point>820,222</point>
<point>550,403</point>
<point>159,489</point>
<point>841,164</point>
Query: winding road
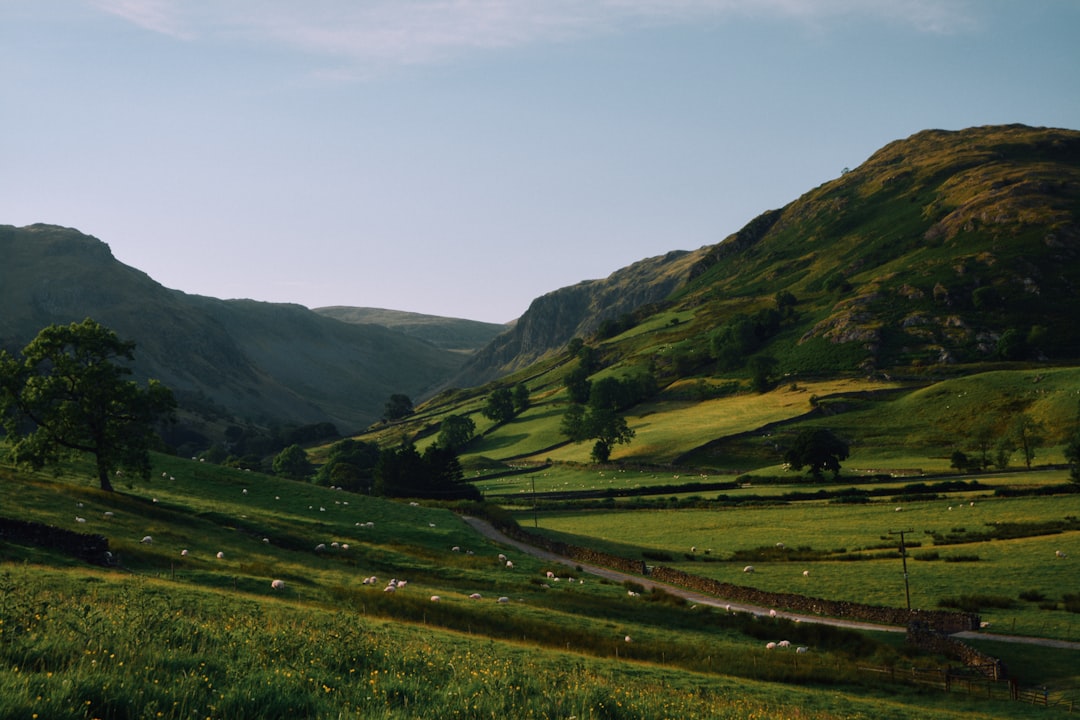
<point>489,531</point>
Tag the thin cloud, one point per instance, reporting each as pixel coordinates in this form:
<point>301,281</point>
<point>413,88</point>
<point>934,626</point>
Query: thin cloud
<point>388,32</point>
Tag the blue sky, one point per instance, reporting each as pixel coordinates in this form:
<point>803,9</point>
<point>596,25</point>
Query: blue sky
<point>462,157</point>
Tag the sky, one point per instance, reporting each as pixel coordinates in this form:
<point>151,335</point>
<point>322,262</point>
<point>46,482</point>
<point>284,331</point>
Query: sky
<point>463,157</point>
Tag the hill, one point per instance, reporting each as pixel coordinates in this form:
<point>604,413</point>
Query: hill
<point>234,360</point>
<point>456,334</point>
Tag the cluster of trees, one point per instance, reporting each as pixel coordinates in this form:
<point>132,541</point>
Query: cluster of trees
<point>504,404</point>
<point>595,406</point>
<point>1024,434</point>
<point>817,449</point>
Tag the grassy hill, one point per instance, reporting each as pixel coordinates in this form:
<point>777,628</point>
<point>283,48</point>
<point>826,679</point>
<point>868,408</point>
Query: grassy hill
<point>246,361</point>
<point>190,625</point>
<point>456,334</point>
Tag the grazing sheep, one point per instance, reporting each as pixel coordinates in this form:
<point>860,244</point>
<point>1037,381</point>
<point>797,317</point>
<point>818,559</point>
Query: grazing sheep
<point>502,558</point>
<point>266,541</point>
<point>1060,554</point>
<point>509,564</point>
<point>80,519</point>
<point>693,548</point>
<point>801,649</point>
<point>727,608</point>
<point>550,574</point>
<point>390,588</point>
<point>631,593</point>
<point>278,584</point>
<point>184,552</point>
<point>402,583</point>
<point>344,546</point>
<point>627,639</point>
<point>147,540</point>
<point>475,596</point>
<point>456,548</point>
<point>335,544</point>
<point>108,513</point>
<point>772,613</point>
<point>770,646</point>
<point>899,509</point>
<point>320,547</point>
<point>780,546</point>
<point>435,598</point>
<point>503,600</point>
<point>748,569</point>
<point>783,643</point>
<point>245,491</point>
<point>369,580</point>
<point>220,555</point>
<point>431,524</point>
<point>806,573</point>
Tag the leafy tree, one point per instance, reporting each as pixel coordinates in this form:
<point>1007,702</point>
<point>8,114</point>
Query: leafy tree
<point>456,431</point>
<point>500,406</point>
<point>1027,434</point>
<point>292,462</point>
<point>578,385</point>
<point>762,368</point>
<point>983,437</point>
<point>573,423</point>
<point>405,473</point>
<point>69,395</point>
<point>350,464</point>
<point>1011,345</point>
<point>961,462</point>
<point>521,398</point>
<point>817,449</point>
<point>1072,454</point>
<point>397,407</point>
<point>610,429</point>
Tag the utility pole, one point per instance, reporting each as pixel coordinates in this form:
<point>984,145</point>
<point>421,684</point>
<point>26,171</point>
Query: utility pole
<point>903,558</point>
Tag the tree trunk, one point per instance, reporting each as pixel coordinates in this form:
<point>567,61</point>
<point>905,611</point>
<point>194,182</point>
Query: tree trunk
<point>103,478</point>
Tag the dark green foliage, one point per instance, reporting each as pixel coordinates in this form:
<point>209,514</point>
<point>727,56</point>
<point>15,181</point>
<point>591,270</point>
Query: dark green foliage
<point>1032,596</point>
<point>316,432</point>
<point>68,395</point>
<point>578,385</point>
<point>350,464</point>
<point>976,603</point>
<point>817,449</point>
<point>500,405</point>
<point>1072,602</point>
<point>521,398</point>
<point>397,407</point>
<point>456,431</point>
<point>436,474</point>
<point>292,462</point>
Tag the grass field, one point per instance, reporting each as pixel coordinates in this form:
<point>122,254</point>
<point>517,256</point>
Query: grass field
<point>196,635</point>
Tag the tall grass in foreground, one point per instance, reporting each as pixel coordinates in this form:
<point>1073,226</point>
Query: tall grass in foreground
<point>73,646</point>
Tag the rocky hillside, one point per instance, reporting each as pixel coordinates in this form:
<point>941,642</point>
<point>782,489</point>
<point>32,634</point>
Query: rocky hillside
<point>239,359</point>
<point>579,311</point>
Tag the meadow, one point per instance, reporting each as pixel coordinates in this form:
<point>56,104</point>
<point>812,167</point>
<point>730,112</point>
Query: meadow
<point>193,635</point>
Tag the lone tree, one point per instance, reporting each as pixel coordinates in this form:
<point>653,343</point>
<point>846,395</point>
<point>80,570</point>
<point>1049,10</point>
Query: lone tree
<point>397,407</point>
<point>67,395</point>
<point>817,449</point>
<point>500,406</point>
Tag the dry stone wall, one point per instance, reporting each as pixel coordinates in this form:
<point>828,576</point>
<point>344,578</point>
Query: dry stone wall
<point>90,548</point>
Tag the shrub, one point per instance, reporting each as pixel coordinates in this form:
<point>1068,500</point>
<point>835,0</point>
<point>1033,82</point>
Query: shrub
<point>1032,596</point>
<point>977,603</point>
<point>1072,602</point>
<point>961,558</point>
<point>930,555</point>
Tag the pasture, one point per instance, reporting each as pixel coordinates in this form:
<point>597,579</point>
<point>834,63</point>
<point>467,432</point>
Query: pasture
<point>851,551</point>
<point>196,635</point>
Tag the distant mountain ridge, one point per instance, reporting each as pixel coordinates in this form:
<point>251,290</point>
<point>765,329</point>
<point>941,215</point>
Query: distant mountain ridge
<point>263,362</point>
<point>455,334</point>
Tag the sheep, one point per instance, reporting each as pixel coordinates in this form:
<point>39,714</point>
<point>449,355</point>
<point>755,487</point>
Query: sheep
<point>456,548</point>
<point>806,573</point>
<point>245,491</point>
<point>435,598</point>
<point>475,596</point>
<point>107,513</point>
<point>402,583</point>
<point>320,547</point>
<point>220,555</point>
<point>369,580</point>
<point>693,548</point>
<point>184,552</point>
<point>628,639</point>
<point>344,546</point>
<point>772,613</point>
<point>502,558</point>
<point>770,646</point>
<point>631,593</point>
<point>509,564</point>
<point>278,584</point>
<point>503,600</point>
<point>899,509</point>
<point>783,644</point>
<point>801,649</point>
<point>1060,554</point>
<point>431,525</point>
<point>80,519</point>
<point>779,546</point>
<point>335,544</point>
<point>390,589</point>
<point>550,574</point>
<point>748,569</point>
<point>147,540</point>
<point>266,541</point>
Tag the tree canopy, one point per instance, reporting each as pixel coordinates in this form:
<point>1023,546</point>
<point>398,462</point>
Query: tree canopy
<point>817,449</point>
<point>397,407</point>
<point>68,394</point>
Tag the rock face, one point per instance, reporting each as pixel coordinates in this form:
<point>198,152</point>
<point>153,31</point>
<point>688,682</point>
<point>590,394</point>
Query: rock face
<point>554,319</point>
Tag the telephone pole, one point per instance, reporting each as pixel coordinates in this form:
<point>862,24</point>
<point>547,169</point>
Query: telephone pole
<point>903,558</point>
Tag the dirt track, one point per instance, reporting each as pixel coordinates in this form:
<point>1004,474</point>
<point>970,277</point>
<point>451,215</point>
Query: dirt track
<point>487,530</point>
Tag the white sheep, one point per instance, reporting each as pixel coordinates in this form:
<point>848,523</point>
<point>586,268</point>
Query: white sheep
<point>772,613</point>
<point>147,540</point>
<point>245,491</point>
<point>1060,554</point>
<point>783,644</point>
<point>456,548</point>
<point>801,649</point>
<point>627,639</point>
<point>502,558</point>
<point>550,574</point>
<point>806,573</point>
<point>80,519</point>
<point>108,513</point>
<point>770,646</point>
<point>509,564</point>
<point>435,598</point>
<point>320,547</point>
<point>748,569</point>
<point>220,555</point>
<point>184,552</point>
<point>503,600</point>
<point>335,544</point>
<point>390,589</point>
<point>475,596</point>
<point>779,546</point>
<point>278,584</point>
